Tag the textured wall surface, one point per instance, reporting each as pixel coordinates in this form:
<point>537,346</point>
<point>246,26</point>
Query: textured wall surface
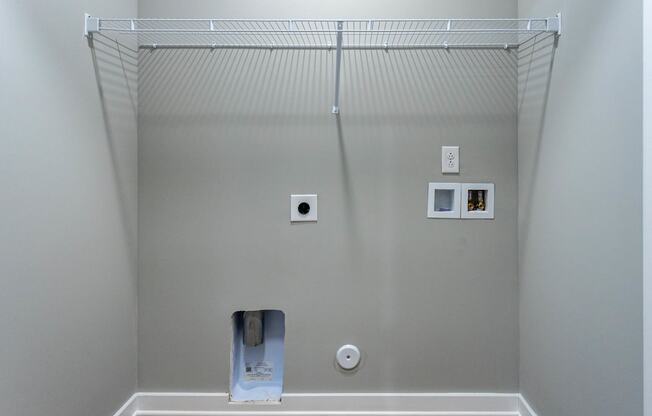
<point>580,212</point>
<point>226,136</point>
<point>68,226</point>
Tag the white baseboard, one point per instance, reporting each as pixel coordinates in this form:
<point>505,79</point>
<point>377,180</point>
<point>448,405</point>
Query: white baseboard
<point>524,407</point>
<point>129,408</point>
<point>330,404</point>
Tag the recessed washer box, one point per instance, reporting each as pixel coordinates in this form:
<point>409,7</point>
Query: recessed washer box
<point>443,200</point>
<point>478,201</point>
<point>257,363</point>
<point>303,208</point>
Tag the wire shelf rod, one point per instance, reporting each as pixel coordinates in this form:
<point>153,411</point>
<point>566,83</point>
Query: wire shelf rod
<point>334,47</point>
<point>393,31</point>
<point>334,21</point>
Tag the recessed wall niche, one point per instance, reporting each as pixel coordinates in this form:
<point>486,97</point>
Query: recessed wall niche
<point>443,200</point>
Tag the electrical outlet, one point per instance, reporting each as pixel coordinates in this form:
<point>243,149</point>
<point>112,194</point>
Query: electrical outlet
<point>450,159</point>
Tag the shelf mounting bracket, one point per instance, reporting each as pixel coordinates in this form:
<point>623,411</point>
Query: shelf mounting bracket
<point>553,24</point>
<point>338,64</point>
<point>91,25</point>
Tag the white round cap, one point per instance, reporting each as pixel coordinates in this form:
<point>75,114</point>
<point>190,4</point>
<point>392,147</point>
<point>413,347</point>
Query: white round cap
<point>348,357</point>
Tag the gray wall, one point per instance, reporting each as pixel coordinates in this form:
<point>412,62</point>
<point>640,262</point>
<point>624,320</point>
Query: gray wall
<point>225,138</point>
<point>67,229</point>
<point>580,212</point>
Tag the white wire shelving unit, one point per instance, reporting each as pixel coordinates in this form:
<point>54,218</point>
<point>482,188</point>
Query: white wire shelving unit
<point>331,35</point>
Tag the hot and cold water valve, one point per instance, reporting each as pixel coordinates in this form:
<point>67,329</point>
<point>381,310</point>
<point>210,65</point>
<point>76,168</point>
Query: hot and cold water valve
<point>461,200</point>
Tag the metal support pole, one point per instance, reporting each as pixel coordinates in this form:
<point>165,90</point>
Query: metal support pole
<point>338,62</point>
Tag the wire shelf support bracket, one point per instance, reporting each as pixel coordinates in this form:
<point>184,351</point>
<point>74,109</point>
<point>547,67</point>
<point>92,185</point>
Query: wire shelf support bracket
<point>338,64</point>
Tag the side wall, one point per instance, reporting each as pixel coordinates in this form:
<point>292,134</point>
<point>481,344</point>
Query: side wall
<point>226,136</point>
<point>68,223</point>
<point>580,164</point>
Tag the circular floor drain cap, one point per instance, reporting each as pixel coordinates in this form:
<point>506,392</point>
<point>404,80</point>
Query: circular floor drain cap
<point>348,357</point>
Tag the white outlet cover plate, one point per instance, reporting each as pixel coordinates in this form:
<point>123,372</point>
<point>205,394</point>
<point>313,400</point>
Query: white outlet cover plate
<point>450,159</point>
<point>488,213</point>
<point>295,215</point>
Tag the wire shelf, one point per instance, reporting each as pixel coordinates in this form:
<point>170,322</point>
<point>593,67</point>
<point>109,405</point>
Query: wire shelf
<point>358,34</point>
<point>335,34</point>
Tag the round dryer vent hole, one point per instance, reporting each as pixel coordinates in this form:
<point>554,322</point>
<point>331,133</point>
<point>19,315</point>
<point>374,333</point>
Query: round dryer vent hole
<point>303,208</point>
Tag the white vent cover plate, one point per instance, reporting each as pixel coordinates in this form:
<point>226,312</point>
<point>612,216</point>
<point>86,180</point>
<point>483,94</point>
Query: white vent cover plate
<point>303,208</point>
